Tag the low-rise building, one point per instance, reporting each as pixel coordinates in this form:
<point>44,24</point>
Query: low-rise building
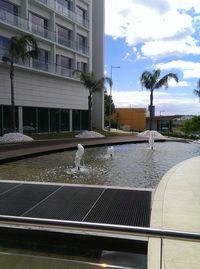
<point>130,118</point>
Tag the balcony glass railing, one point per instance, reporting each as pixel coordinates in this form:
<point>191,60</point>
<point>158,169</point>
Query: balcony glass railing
<point>38,30</point>
<point>42,65</point>
<point>26,25</point>
<point>82,49</point>
<point>66,12</point>
<point>13,20</point>
<point>63,41</point>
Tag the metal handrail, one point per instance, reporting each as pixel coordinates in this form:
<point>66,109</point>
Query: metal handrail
<point>98,227</point>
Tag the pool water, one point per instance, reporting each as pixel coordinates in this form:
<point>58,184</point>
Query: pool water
<point>133,165</point>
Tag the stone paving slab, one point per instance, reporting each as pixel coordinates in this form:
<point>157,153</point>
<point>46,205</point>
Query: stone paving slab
<point>176,206</point>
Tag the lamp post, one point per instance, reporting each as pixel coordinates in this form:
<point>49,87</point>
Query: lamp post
<point>112,67</point>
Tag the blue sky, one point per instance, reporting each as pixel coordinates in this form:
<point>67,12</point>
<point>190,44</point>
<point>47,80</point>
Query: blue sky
<point>150,34</point>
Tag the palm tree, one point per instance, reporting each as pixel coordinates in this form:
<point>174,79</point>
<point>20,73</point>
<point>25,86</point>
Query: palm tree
<point>151,81</point>
<point>20,48</point>
<point>93,84</point>
<point>197,91</point>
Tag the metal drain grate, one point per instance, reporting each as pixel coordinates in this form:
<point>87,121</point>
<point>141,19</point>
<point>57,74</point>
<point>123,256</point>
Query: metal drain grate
<point>4,187</point>
<point>21,199</point>
<point>76,203</point>
<point>68,203</point>
<point>122,207</point>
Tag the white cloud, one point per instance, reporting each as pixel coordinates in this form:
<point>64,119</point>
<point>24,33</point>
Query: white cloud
<point>189,69</point>
<point>172,83</point>
<point>163,25</point>
<point>161,48</point>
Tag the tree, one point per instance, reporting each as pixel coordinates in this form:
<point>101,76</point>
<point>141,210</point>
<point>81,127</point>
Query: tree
<point>20,48</point>
<point>93,84</point>
<point>192,126</point>
<point>151,81</point>
<point>197,91</point>
<point>107,100</point>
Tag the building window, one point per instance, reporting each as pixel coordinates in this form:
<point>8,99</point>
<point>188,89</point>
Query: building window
<point>7,119</point>
<point>8,12</point>
<point>54,120</point>
<point>43,120</point>
<point>42,62</point>
<point>76,119</point>
<point>82,44</point>
<point>64,120</point>
<point>38,25</point>
<point>65,7</point>
<point>82,16</point>
<point>64,65</point>
<point>82,66</point>
<point>65,4</point>
<point>80,120</point>
<point>64,36</point>
<point>9,7</point>
<point>4,45</point>
<point>29,120</point>
<point>84,120</point>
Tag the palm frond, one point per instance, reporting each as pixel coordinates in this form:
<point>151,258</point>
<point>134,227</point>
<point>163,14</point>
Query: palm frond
<point>23,47</point>
<point>197,93</point>
<point>145,79</point>
<point>198,84</point>
<point>29,47</point>
<point>165,80</point>
<point>106,80</point>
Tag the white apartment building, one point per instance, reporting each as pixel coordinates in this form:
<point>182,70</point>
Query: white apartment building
<point>48,96</point>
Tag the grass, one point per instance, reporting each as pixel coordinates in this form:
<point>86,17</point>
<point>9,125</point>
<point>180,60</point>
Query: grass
<point>47,136</point>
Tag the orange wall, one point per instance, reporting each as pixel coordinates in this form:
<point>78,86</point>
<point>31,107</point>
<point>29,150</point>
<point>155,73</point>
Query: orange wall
<point>134,117</point>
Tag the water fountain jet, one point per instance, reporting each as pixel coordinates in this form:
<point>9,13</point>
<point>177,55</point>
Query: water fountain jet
<point>79,156</point>
<point>110,151</point>
<point>151,139</point>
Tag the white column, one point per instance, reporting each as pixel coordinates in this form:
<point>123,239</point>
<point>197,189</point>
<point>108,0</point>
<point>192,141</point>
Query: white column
<point>70,120</point>
<point>98,59</point>
<point>20,119</point>
<point>52,29</point>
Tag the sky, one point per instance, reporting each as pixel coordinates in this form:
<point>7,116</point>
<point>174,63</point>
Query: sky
<point>153,34</point>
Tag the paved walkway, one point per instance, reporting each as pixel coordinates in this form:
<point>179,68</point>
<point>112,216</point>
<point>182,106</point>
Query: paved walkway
<point>176,206</point>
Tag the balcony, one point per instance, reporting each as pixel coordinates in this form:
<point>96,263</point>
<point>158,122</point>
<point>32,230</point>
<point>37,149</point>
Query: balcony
<point>28,26</point>
<point>14,20</point>
<point>63,71</point>
<point>53,4</point>
<point>36,64</point>
<point>63,41</point>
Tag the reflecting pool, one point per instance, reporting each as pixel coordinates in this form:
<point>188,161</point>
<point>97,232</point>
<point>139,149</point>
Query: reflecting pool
<point>132,165</point>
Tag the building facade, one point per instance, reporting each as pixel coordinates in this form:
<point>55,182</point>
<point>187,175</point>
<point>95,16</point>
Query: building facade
<point>48,95</point>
